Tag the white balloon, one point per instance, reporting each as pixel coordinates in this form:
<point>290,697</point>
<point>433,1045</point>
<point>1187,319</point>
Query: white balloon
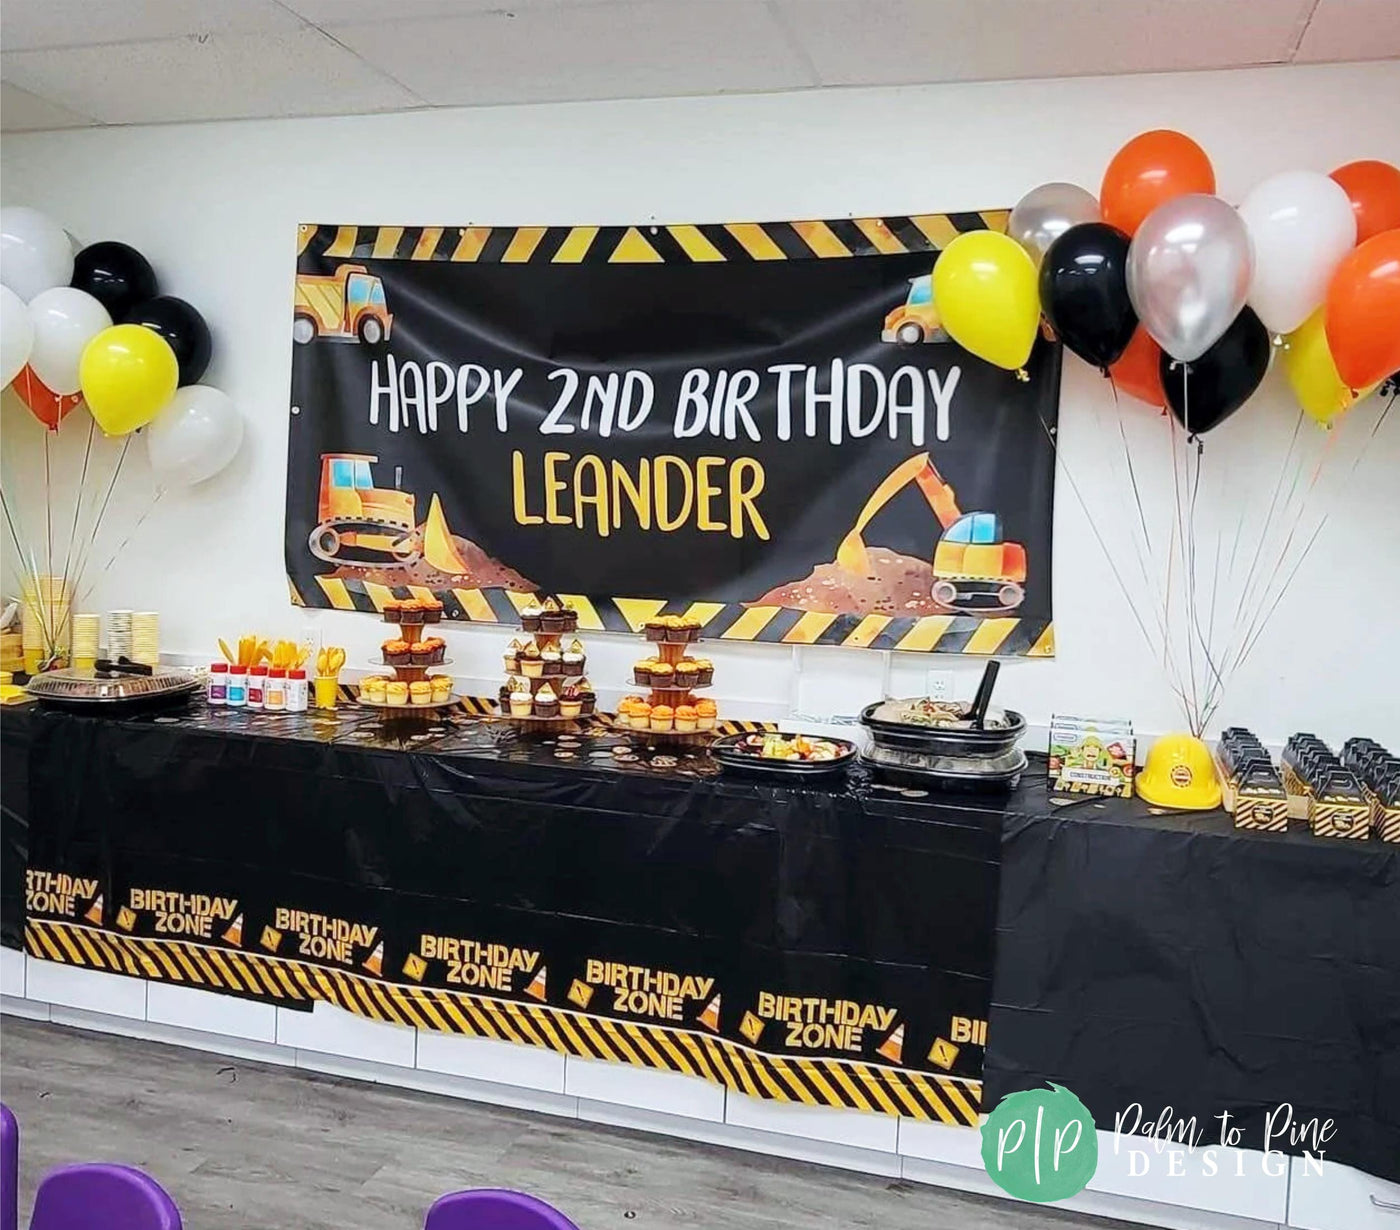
<point>65,320</point>
<point>195,436</point>
<point>1302,226</point>
<point>16,335</point>
<point>34,252</point>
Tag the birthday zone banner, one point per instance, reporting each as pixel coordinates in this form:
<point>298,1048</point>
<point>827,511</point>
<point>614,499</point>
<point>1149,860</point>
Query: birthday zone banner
<point>762,425</point>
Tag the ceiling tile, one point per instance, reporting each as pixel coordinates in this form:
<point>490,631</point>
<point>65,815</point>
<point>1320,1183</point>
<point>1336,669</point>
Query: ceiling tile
<point>873,42</point>
<point>342,12</point>
<point>639,48</point>
<point>21,111</point>
<point>1352,30</point>
<point>234,76</point>
<point>29,24</point>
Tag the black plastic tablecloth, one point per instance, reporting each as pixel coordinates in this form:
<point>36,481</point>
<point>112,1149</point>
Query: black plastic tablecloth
<point>1158,960</point>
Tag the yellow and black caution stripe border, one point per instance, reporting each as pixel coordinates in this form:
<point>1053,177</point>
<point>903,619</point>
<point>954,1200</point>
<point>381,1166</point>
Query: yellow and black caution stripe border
<point>1006,636</point>
<point>661,244</point>
<point>849,1084</point>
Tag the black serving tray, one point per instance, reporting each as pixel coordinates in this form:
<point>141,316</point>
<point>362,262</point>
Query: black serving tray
<point>726,751</point>
<point>943,740</point>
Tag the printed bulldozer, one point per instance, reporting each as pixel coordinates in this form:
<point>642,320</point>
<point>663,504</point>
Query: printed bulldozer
<point>363,526</point>
<point>975,571</point>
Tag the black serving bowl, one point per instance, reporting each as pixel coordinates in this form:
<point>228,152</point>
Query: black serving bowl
<point>944,740</point>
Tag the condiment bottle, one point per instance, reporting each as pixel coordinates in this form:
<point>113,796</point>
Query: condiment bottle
<point>257,686</point>
<point>237,687</point>
<point>275,694</point>
<point>297,695</point>
<point>218,683</point>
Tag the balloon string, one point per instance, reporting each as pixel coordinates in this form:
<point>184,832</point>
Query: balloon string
<point>78,504</point>
<point>91,537</point>
<point>140,521</point>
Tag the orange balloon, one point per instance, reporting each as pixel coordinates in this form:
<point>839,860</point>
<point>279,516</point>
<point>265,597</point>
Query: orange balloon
<point>1153,167</point>
<point>1363,311</point>
<point>1139,372</point>
<point>1374,189</point>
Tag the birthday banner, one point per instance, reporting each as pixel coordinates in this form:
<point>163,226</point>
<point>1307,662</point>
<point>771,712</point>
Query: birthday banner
<point>761,425</point>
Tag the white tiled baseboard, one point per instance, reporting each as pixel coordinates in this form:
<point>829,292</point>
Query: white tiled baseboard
<point>332,1041</point>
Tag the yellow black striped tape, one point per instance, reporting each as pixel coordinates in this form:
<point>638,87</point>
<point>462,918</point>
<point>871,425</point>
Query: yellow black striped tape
<point>848,1084</point>
<point>728,621</point>
<point>832,238</point>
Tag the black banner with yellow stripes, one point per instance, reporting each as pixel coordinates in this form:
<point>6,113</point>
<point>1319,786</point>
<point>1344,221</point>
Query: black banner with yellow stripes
<point>760,425</point>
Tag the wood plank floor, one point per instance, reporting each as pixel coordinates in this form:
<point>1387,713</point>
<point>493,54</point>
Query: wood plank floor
<point>246,1146</point>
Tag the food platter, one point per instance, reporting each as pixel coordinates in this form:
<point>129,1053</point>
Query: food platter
<point>1001,733</point>
<point>741,753</point>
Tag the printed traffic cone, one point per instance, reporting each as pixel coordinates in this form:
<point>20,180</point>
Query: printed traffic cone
<point>536,989</point>
<point>375,961</point>
<point>94,911</point>
<point>709,1015</point>
<point>892,1048</point>
<point>234,934</point>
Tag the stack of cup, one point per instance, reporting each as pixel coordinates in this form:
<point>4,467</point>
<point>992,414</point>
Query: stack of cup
<point>44,620</point>
<point>119,635</point>
<point>145,638</point>
<point>85,633</point>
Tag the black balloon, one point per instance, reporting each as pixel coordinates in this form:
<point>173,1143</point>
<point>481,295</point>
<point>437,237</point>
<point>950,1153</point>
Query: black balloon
<point>181,326</point>
<point>1204,393</point>
<point>1084,292</point>
<point>116,275</point>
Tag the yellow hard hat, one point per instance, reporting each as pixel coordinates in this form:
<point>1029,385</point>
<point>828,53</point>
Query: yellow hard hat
<point>1180,773</point>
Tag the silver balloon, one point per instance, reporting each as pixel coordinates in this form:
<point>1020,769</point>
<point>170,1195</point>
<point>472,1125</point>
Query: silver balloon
<point>1189,270</point>
<point>1046,213</point>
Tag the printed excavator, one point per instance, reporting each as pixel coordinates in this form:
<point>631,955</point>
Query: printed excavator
<point>364,526</point>
<point>975,570</point>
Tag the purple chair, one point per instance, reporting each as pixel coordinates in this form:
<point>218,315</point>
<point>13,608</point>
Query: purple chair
<point>9,1169</point>
<point>102,1196</point>
<point>494,1209</point>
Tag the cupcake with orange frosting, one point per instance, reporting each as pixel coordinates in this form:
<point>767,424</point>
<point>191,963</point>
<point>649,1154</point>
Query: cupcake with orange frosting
<point>686,718</point>
<point>663,718</point>
<point>706,714</point>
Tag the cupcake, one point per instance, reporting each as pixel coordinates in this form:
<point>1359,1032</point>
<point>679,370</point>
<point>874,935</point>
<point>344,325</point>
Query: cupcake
<point>420,692</point>
<point>504,695</point>
<point>530,615</point>
<point>641,671</point>
<point>372,689</point>
<point>410,612</point>
<point>512,656</point>
<point>570,706</point>
<point>520,699</point>
<point>546,703</point>
<point>397,653</point>
<point>552,660</point>
<point>655,629</point>
<point>687,673</point>
<point>531,665</point>
<point>432,610</point>
<point>391,611</point>
<point>663,717</point>
<point>663,675</point>
<point>574,658</point>
<point>706,672</point>
<point>677,630</point>
<point>640,715</point>
<point>553,618</point>
<point>587,697</point>
<point>442,687</point>
<point>706,714</point>
<point>422,652</point>
<point>396,693</point>
<point>686,718</point>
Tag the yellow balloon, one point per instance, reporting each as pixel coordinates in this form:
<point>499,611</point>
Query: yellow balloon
<point>1311,370</point>
<point>985,288</point>
<point>128,373</point>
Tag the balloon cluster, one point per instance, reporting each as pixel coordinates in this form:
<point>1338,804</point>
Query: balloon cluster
<point>92,327</point>
<point>1178,295</point>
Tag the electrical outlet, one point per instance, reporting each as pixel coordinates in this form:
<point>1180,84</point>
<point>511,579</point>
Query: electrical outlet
<point>939,685</point>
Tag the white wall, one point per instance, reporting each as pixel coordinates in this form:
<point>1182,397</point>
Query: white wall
<point>215,206</point>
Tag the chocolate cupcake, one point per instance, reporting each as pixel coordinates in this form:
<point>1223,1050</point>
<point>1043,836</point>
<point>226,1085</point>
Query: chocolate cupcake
<point>706,674</point>
<point>410,613</point>
<point>530,616</point>
<point>678,632</point>
<point>655,630</point>
<point>391,611</point>
<point>432,610</point>
<point>397,653</point>
<point>553,661</point>
<point>546,702</point>
<point>422,653</point>
<point>687,673</point>
<point>587,697</point>
<point>641,672</point>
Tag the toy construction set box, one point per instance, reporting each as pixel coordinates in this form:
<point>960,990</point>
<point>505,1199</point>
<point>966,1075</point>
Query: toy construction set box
<point>1092,755</point>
